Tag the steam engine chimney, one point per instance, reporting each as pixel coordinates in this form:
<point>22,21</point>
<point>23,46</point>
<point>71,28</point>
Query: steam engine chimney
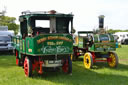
<point>101,23</point>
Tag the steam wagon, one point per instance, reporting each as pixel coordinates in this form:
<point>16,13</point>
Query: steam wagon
<point>45,42</point>
<point>97,46</point>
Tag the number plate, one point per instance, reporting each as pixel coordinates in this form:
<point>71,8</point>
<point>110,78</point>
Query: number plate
<point>54,62</point>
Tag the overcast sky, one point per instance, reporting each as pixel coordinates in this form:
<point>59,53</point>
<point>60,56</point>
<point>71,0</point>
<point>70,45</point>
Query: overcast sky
<point>85,12</point>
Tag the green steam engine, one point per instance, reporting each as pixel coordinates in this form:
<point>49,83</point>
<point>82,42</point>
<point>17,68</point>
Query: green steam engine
<point>45,42</point>
<point>95,46</point>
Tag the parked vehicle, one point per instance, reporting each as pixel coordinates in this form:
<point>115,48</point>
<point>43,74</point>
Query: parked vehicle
<point>6,39</point>
<point>95,47</point>
<point>3,28</point>
<point>122,37</point>
<point>45,42</point>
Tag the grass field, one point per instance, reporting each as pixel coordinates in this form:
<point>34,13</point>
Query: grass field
<point>101,74</point>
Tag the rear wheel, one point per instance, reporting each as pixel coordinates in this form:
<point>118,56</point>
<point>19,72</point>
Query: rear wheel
<point>17,58</point>
<point>88,60</point>
<point>67,65</point>
<point>113,59</point>
<point>28,67</point>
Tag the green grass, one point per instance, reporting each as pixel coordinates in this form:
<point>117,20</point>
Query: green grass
<point>101,74</point>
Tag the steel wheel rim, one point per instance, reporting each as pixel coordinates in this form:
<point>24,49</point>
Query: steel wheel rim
<point>87,61</point>
<point>112,63</point>
<point>26,67</point>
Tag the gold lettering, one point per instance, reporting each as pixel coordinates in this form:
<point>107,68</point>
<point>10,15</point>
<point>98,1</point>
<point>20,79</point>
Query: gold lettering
<point>41,40</point>
<point>59,43</point>
<point>54,38</point>
<point>50,43</point>
<point>65,38</point>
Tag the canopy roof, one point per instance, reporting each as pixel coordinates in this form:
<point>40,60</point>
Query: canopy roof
<point>45,14</point>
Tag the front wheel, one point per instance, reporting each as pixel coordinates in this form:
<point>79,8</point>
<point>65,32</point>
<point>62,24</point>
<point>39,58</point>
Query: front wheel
<point>28,67</point>
<point>113,59</point>
<point>67,65</point>
<point>17,58</point>
<point>88,60</point>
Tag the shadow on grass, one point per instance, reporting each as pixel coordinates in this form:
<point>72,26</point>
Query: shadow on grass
<point>100,65</point>
<point>2,53</point>
<point>7,61</point>
<point>82,76</point>
<point>120,67</point>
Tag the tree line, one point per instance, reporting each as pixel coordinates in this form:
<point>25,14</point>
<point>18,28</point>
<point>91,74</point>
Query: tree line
<point>118,30</point>
<point>10,22</point>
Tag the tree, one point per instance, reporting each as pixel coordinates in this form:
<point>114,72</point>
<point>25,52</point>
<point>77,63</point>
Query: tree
<point>114,31</point>
<point>10,22</point>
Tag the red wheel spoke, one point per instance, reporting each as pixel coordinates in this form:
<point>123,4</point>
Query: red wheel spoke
<point>26,66</point>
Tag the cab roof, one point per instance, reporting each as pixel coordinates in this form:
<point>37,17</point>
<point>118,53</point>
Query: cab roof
<point>47,14</point>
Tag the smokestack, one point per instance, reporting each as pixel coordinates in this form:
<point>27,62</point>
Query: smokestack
<point>101,21</point>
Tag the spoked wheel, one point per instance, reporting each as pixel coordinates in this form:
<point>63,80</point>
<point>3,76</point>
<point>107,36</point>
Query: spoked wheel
<point>28,67</point>
<point>113,59</point>
<point>67,65</point>
<point>17,59</point>
<point>88,61</point>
